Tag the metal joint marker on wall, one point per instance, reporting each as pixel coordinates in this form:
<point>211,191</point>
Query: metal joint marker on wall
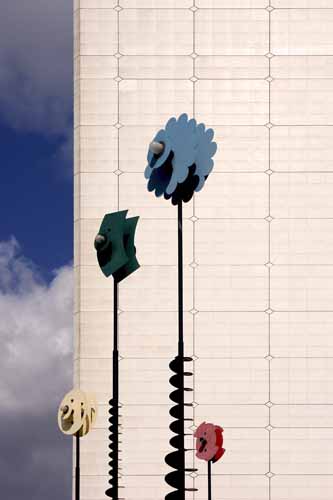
<point>116,255</point>
<point>179,162</point>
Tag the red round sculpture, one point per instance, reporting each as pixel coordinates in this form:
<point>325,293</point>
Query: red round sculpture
<point>209,443</point>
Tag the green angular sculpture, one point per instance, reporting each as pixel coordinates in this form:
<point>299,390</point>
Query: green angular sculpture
<point>116,255</point>
<point>116,252</point>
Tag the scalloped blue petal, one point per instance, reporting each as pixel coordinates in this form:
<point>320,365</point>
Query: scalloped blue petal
<point>190,144</point>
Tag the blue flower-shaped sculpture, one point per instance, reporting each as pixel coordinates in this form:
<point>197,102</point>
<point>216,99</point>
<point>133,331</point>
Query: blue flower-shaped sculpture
<point>180,159</point>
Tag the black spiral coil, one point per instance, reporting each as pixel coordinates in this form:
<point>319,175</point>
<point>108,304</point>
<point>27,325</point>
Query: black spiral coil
<point>176,459</point>
<point>114,451</point>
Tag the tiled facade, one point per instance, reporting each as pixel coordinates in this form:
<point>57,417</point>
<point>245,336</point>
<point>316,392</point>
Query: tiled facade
<point>258,259</point>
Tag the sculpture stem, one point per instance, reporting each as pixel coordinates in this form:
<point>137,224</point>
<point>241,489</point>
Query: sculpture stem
<point>181,339</point>
<point>115,389</point>
<point>77,466</point>
<point>176,459</point>
<point>209,480</point>
<point>112,492</point>
<point>180,281</point>
<point>115,378</point>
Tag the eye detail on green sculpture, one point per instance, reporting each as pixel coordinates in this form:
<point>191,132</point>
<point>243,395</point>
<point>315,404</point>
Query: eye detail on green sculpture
<point>99,241</point>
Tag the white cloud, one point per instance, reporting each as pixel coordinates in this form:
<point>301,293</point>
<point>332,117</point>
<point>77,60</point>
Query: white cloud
<point>36,65</point>
<point>36,334</point>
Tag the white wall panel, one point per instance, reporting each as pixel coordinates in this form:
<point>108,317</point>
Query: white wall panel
<point>258,270</point>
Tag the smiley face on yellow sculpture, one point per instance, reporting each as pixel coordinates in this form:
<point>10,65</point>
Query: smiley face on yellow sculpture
<point>77,413</point>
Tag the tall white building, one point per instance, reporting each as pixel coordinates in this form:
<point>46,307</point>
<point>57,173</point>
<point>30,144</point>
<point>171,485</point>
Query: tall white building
<point>258,256</point>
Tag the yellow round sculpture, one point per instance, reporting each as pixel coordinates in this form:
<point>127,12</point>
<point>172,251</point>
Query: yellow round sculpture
<point>77,413</point>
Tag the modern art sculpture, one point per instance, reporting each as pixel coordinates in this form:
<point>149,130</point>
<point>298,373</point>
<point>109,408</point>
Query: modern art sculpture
<point>76,415</point>
<point>116,255</point>
<point>179,162</point>
<point>209,446</point>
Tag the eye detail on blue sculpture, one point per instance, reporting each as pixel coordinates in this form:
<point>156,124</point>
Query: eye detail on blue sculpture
<point>180,158</point>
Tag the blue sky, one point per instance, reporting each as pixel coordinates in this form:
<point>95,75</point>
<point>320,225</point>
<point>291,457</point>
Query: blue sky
<point>36,246</point>
<point>36,128</point>
<point>36,197</point>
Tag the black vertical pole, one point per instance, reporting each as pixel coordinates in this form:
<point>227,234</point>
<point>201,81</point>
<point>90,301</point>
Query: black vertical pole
<point>176,459</point>
<point>180,280</point>
<point>209,480</point>
<point>77,466</point>
<point>181,345</point>
<point>112,492</point>
<point>115,389</point>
